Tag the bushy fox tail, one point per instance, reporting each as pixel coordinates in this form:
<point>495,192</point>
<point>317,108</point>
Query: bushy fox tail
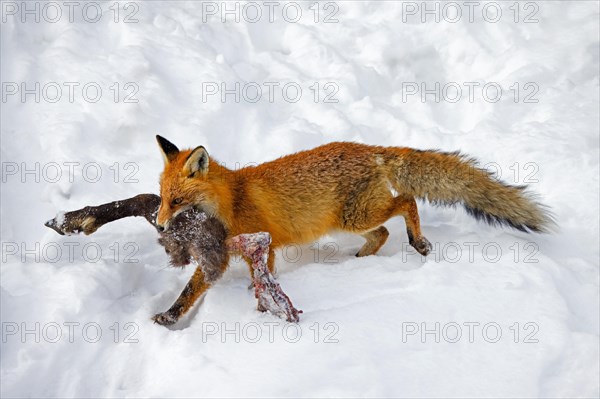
<point>451,178</point>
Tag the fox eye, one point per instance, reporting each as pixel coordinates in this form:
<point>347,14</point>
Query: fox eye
<point>177,201</point>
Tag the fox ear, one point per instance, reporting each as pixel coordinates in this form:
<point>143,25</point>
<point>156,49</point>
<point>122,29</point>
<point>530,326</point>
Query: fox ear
<point>197,162</point>
<point>169,150</point>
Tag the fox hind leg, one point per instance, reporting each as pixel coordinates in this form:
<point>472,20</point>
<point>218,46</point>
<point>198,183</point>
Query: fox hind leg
<point>400,206</point>
<point>365,211</point>
<point>375,240</point>
<point>407,207</point>
<point>373,204</point>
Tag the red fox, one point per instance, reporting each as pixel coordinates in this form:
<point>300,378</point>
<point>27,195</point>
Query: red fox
<point>300,197</point>
<point>339,186</point>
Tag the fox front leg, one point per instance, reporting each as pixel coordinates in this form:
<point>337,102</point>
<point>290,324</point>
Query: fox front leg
<point>89,219</point>
<point>212,263</point>
<point>192,291</point>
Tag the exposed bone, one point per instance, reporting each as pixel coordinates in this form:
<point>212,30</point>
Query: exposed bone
<point>268,292</point>
<point>192,236</point>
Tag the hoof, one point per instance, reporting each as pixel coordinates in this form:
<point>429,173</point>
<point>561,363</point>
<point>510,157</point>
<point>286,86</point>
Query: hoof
<point>54,226</point>
<point>73,225</point>
<point>164,319</point>
<point>422,246</point>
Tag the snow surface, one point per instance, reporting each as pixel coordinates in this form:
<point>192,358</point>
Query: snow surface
<point>367,308</point>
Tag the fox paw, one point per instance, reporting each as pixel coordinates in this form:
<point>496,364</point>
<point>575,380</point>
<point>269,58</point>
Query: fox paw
<point>421,245</point>
<point>164,319</point>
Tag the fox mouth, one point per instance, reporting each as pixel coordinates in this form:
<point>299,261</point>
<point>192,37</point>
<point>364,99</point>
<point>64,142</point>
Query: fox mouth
<point>163,228</point>
<point>180,210</point>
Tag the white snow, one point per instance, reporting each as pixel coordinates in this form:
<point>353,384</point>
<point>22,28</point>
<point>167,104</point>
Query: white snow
<point>541,291</point>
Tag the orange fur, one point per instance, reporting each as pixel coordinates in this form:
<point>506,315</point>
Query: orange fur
<point>338,186</point>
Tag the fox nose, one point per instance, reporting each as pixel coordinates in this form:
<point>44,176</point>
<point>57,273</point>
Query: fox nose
<point>160,228</point>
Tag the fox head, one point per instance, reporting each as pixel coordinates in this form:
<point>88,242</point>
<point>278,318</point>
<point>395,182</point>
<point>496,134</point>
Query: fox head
<point>183,183</point>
